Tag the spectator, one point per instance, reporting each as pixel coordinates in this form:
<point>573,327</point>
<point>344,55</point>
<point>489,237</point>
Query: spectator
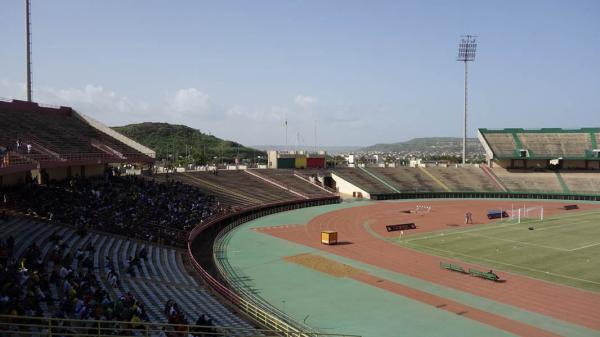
<point>140,208</point>
<point>205,324</point>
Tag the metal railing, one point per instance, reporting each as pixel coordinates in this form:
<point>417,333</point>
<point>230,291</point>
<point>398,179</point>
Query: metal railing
<point>13,159</point>
<point>11,325</point>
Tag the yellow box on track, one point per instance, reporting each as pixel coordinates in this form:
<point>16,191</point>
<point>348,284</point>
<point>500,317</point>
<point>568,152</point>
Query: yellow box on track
<point>329,237</point>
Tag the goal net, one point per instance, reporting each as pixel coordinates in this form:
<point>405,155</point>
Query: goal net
<point>528,213</point>
<point>422,209</point>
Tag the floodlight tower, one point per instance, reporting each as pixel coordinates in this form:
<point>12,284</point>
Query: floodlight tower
<point>466,53</point>
<point>28,33</point>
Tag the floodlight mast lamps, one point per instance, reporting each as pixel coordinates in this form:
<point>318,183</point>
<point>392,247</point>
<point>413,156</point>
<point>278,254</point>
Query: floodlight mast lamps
<point>466,53</point>
<point>28,38</point>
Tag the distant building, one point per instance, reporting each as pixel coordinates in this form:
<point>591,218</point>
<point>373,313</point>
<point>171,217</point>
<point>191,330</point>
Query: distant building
<point>418,162</point>
<point>296,159</point>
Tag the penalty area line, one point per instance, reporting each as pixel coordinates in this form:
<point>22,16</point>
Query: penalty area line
<point>585,246</point>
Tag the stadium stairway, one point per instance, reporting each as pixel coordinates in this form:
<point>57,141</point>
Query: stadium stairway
<point>434,178</point>
<point>464,179</point>
<point>390,186</point>
<point>225,196</point>
<point>562,183</point>
<point>493,177</point>
<point>160,277</point>
<point>363,180</point>
<point>407,179</point>
<point>290,179</point>
<point>274,183</point>
<point>316,181</point>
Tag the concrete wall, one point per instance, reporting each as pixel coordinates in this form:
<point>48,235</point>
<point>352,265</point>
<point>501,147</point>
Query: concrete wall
<point>58,173</point>
<point>500,163</point>
<point>595,165</point>
<point>13,179</point>
<point>524,163</point>
<point>574,164</point>
<point>272,157</point>
<point>347,188</point>
<point>94,170</point>
<point>489,154</point>
<point>127,141</point>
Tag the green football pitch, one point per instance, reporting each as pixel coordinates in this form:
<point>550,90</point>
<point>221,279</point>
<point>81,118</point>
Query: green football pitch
<point>562,248</point>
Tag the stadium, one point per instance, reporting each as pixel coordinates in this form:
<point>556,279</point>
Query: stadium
<point>245,248</point>
<point>100,238</point>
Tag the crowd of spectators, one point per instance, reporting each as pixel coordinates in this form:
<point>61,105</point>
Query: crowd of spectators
<point>62,284</point>
<point>137,207</point>
<point>174,315</point>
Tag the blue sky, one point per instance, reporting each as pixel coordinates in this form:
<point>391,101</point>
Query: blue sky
<point>365,71</point>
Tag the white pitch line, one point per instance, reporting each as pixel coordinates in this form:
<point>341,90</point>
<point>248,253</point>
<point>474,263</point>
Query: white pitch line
<point>509,264</point>
<point>483,227</point>
<point>583,247</point>
<point>521,242</point>
<point>491,226</point>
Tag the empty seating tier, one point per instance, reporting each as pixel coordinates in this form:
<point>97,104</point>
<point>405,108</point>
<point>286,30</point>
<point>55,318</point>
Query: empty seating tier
<point>235,188</point>
<point>582,182</point>
<point>363,180</point>
<point>548,145</point>
<point>288,179</point>
<point>408,179</point>
<point>57,134</point>
<point>502,144</point>
<point>528,181</point>
<point>464,179</point>
<point>553,143</point>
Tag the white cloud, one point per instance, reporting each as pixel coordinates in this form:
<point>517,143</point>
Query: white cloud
<point>190,100</point>
<point>305,101</point>
<point>195,108</point>
<point>9,90</point>
<point>94,100</point>
<point>269,115</point>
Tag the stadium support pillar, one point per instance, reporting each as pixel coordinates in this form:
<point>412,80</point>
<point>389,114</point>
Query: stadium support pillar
<point>28,38</point>
<point>466,53</point>
<point>464,154</point>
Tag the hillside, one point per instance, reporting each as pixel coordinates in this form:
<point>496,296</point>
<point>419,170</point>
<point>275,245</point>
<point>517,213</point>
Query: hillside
<point>429,145</point>
<point>185,145</point>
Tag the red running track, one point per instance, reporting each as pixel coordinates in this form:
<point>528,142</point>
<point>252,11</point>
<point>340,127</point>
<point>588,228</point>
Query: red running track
<point>562,302</point>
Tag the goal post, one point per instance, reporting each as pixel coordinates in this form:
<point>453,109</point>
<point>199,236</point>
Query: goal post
<point>528,213</point>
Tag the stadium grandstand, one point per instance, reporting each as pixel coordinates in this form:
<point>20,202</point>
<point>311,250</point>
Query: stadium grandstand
<point>542,148</point>
<point>86,246</point>
<point>57,142</point>
<point>100,236</point>
<point>556,162</point>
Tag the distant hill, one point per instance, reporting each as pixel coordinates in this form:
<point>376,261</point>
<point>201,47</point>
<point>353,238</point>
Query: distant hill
<point>431,145</point>
<point>182,144</point>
